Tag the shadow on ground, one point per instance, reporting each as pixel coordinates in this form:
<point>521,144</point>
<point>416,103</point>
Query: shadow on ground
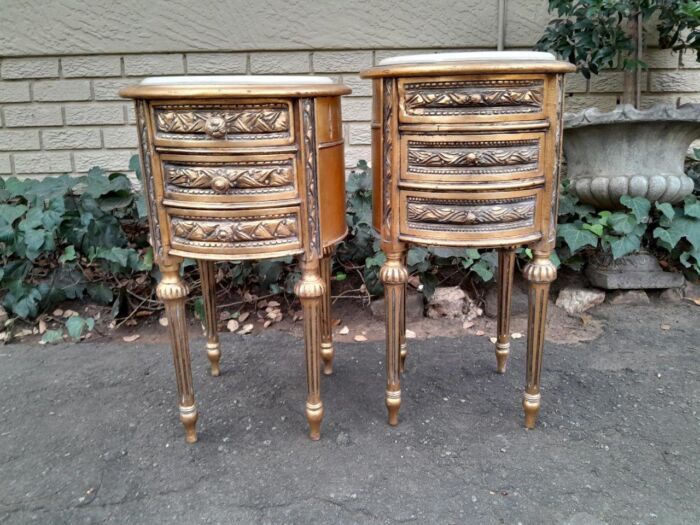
<point>90,433</point>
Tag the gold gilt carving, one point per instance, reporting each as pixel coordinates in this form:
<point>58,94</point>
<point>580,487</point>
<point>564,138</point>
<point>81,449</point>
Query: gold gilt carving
<point>217,122</point>
<point>465,155</point>
<point>147,177</point>
<point>388,147</point>
<point>222,232</point>
<point>458,212</point>
<point>310,176</point>
<point>473,97</point>
<point>224,178</point>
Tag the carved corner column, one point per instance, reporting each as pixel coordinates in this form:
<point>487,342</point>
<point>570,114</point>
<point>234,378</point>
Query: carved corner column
<point>506,265</point>
<point>173,292</point>
<point>394,275</point>
<point>327,351</point>
<point>540,273</point>
<point>206,272</point>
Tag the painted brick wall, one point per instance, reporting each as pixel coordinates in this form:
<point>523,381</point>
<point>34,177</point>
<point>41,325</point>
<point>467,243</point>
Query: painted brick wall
<point>62,114</point>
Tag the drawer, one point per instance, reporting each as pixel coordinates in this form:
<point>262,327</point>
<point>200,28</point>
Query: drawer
<point>478,219</point>
<point>506,160</point>
<point>236,234</point>
<point>240,124</point>
<point>471,99</point>
<point>227,178</point>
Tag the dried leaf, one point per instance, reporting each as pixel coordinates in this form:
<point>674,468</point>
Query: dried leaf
<point>467,324</point>
<point>57,312</point>
<point>345,330</point>
<point>131,338</point>
<point>360,338</point>
<point>479,332</point>
<point>695,300</point>
<point>516,335</point>
<point>224,315</point>
<point>69,313</point>
<point>232,325</point>
<point>273,303</point>
<point>246,329</point>
<point>144,313</point>
<point>163,321</point>
<point>665,326</point>
<point>42,326</point>
<point>267,323</point>
<point>492,339</point>
<point>336,322</point>
<point>243,316</point>
<point>410,334</point>
<point>278,317</point>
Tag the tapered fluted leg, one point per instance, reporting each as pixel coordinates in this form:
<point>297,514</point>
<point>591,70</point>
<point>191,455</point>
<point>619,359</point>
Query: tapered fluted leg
<point>327,350</point>
<point>310,289</point>
<point>173,292</point>
<point>540,272</point>
<point>506,265</point>
<point>402,328</point>
<point>394,276</point>
<point>206,272</point>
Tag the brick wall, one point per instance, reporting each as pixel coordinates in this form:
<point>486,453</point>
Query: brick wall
<point>62,114</point>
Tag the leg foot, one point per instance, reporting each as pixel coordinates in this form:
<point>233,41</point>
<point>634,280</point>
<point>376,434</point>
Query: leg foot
<point>310,289</point>
<point>206,272</point>
<point>327,351</point>
<point>394,276</point>
<point>173,292</point>
<point>506,265</point>
<point>540,272</point>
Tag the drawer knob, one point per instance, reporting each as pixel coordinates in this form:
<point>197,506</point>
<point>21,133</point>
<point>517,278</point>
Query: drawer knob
<point>220,184</point>
<point>215,126</point>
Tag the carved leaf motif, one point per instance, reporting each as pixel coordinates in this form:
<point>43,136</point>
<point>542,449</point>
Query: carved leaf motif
<point>236,121</point>
<point>196,177</point>
<point>475,158</point>
<point>436,212</point>
<point>235,231</point>
<point>474,96</point>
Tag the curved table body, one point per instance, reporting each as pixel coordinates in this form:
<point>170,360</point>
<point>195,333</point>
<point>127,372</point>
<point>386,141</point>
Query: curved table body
<point>465,150</point>
<point>241,168</point>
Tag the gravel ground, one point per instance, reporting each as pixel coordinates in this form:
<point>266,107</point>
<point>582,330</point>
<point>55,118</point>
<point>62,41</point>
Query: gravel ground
<point>89,432</point>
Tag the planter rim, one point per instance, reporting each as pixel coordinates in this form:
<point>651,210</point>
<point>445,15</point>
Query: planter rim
<point>627,113</point>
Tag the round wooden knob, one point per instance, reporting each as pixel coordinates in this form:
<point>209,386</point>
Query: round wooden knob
<point>220,184</point>
<point>215,126</point>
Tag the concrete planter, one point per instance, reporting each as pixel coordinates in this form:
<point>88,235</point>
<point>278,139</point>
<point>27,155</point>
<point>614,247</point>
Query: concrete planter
<point>630,152</point>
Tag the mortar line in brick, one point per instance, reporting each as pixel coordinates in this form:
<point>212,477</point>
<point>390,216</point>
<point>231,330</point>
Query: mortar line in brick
<point>184,63</point>
<point>63,114</point>
<point>12,164</point>
<point>72,161</point>
<point>60,67</point>
<point>92,90</point>
<point>248,68</point>
<point>122,69</point>
<point>31,90</point>
<point>41,139</point>
<point>311,62</point>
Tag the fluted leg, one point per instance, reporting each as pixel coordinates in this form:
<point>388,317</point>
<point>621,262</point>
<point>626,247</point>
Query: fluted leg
<point>206,272</point>
<point>173,292</point>
<point>402,328</point>
<point>394,276</point>
<point>310,289</point>
<point>506,264</point>
<point>540,273</point>
<point>327,350</point>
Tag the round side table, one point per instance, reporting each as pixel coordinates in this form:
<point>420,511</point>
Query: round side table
<point>465,150</point>
<point>244,167</point>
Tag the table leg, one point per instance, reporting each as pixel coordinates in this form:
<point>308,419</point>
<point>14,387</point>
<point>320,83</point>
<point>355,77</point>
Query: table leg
<point>327,351</point>
<point>402,328</point>
<point>506,265</point>
<point>394,276</point>
<point>540,273</point>
<point>173,292</point>
<point>206,272</point>
<point>310,290</point>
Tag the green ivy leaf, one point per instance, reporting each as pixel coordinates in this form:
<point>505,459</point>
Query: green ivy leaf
<point>622,246</point>
<point>595,228</point>
<point>11,212</point>
<point>483,270</point>
<point>52,337</point>
<point>622,223</point>
<point>639,205</point>
<point>691,206</point>
<point>576,238</point>
<point>68,254</point>
<point>75,326</point>
<point>666,209</point>
<point>341,276</point>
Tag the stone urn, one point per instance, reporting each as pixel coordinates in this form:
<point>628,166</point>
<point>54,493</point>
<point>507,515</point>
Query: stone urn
<point>630,152</point>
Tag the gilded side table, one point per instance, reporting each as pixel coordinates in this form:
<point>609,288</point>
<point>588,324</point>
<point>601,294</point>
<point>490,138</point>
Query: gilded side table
<point>465,151</point>
<point>241,168</point>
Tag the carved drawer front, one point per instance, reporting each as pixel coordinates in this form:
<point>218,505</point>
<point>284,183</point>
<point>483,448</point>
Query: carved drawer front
<point>470,99</point>
<point>224,179</point>
<point>479,161</point>
<point>238,234</point>
<point>478,219</point>
<point>243,124</point>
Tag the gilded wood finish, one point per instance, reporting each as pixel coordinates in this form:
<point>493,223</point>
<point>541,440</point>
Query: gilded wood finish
<point>469,158</point>
<point>232,173</point>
